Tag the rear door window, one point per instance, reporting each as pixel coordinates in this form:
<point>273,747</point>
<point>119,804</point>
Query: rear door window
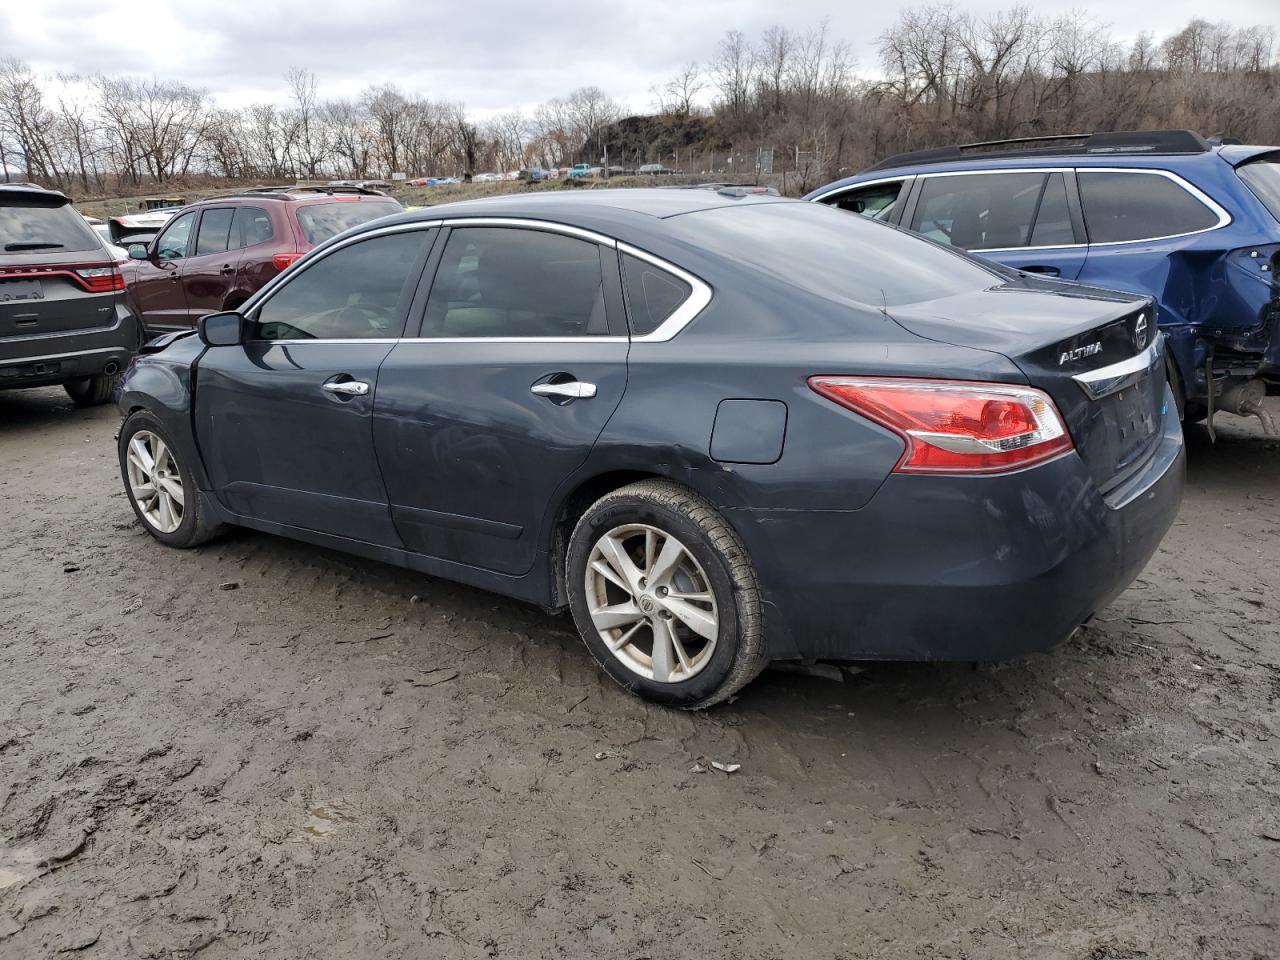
<point>987,211</point>
<point>252,225</point>
<point>876,202</point>
<point>320,221</point>
<point>653,294</point>
<point>506,282</point>
<point>1121,206</point>
<point>354,293</point>
<point>215,229</point>
<point>32,226</point>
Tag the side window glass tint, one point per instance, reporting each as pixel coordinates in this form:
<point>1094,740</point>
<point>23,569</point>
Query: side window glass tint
<point>173,242</point>
<point>1053,222</point>
<point>876,202</point>
<point>653,294</point>
<point>215,227</point>
<point>506,282</point>
<point>252,225</point>
<point>979,211</point>
<point>353,293</point>
<point>1138,206</point>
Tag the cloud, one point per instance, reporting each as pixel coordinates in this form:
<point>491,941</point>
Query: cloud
<point>492,55</point>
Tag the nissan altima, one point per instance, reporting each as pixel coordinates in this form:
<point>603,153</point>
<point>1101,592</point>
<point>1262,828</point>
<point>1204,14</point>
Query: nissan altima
<point>720,428</point>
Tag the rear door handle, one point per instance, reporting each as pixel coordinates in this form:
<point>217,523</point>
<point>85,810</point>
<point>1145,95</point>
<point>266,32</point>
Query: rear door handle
<point>347,388</point>
<point>573,390</point>
<point>227,270</point>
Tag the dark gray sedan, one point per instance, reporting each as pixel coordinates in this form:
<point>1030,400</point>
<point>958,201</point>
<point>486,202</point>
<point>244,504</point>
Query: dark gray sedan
<point>721,429</point>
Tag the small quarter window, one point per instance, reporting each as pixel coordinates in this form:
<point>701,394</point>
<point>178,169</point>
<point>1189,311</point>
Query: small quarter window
<point>1121,206</point>
<point>653,294</point>
<point>507,282</point>
<point>353,293</point>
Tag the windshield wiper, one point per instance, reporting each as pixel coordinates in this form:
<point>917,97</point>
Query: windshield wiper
<point>33,245</point>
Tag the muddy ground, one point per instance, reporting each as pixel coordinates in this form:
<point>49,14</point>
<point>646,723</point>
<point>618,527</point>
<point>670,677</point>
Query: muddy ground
<point>263,749</point>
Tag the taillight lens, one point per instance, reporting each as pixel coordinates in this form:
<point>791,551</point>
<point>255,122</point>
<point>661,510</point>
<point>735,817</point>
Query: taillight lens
<point>953,426</point>
<point>100,279</point>
<point>284,260</point>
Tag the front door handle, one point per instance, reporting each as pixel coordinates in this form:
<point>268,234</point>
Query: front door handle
<point>347,388</point>
<point>1042,269</point>
<point>227,270</point>
<point>573,390</point>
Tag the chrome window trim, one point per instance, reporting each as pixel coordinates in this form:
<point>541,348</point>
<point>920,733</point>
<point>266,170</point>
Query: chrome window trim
<point>1117,376</point>
<point>1224,217</point>
<point>905,179</point>
<point>693,305</point>
<point>684,314</point>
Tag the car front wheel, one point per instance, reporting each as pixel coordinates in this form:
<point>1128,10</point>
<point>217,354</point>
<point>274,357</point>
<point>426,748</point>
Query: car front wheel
<point>160,486</point>
<point>664,595</point>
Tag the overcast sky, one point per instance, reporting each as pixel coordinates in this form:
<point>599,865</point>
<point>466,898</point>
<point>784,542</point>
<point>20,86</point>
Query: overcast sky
<point>491,54</point>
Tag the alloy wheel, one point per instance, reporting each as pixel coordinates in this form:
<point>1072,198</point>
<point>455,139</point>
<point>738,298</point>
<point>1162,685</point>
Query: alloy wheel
<point>155,482</point>
<point>651,603</point>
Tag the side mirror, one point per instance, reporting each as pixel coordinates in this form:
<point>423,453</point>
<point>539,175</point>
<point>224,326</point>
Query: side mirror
<point>221,329</point>
<point>137,251</point>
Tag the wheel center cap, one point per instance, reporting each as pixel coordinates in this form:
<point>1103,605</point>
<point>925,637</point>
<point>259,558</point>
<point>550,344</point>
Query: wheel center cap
<point>647,604</point>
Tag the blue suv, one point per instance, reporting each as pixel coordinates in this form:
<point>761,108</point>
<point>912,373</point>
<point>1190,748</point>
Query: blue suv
<point>1194,223</point>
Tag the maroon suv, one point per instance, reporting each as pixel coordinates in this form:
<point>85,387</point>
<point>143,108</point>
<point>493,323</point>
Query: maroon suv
<point>215,253</point>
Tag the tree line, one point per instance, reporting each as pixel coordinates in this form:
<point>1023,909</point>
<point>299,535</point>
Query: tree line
<point>787,102</point>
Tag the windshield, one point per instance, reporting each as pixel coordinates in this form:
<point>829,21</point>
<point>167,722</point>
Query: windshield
<point>33,225</point>
<point>822,249</point>
<point>1263,178</point>
<point>320,221</point>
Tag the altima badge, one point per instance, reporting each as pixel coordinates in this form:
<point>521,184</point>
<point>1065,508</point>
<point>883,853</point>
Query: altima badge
<point>1079,353</point>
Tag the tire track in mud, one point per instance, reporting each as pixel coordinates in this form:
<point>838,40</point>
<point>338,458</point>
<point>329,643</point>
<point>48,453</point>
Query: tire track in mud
<point>224,777</point>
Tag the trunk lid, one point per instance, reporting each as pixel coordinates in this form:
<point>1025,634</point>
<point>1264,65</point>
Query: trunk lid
<point>1096,353</point>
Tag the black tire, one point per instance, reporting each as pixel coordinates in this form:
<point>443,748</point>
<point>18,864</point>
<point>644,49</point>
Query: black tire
<point>196,526</point>
<point>90,391</point>
<point>739,653</point>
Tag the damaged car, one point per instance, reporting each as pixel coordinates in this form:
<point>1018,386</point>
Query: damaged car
<point>1194,223</point>
<point>721,428</point>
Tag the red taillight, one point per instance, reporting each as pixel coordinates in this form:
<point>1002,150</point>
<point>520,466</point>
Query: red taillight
<point>100,279</point>
<point>284,260</point>
<point>953,426</point>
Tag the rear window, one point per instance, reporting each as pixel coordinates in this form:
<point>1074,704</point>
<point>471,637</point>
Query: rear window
<point>33,226</point>
<point>320,221</point>
<point>820,248</point>
<point>1263,178</point>
<point>1119,207</point>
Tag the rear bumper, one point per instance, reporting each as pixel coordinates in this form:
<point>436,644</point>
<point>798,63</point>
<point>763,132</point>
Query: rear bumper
<point>52,359</point>
<point>962,568</point>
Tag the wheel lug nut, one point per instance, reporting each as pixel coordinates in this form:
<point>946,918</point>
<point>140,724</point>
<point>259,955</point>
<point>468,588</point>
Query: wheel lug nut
<point>662,591</point>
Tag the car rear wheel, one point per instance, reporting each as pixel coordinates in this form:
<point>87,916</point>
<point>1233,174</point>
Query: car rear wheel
<point>90,391</point>
<point>160,486</point>
<point>664,595</point>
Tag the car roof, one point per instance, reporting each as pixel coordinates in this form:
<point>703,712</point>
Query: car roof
<point>647,203</point>
<point>32,189</point>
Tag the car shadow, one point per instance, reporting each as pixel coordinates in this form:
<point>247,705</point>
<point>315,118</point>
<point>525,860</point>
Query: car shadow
<point>25,410</point>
